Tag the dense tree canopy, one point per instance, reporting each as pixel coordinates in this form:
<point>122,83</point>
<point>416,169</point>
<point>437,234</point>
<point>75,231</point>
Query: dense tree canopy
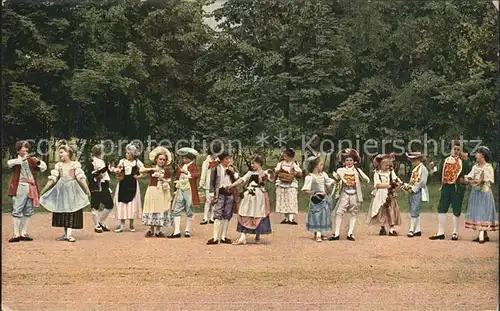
<point>129,69</point>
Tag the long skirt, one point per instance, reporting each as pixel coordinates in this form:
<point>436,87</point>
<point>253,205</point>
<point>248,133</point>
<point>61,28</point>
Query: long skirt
<point>72,220</point>
<point>156,207</point>
<point>481,211</point>
<point>319,217</point>
<point>388,216</point>
<point>255,225</point>
<point>286,200</point>
<point>130,210</point>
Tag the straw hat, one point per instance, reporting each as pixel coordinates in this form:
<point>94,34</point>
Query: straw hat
<point>160,150</point>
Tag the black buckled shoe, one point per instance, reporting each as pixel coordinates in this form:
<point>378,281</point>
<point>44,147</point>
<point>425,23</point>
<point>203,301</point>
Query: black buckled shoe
<point>174,236</point>
<point>212,242</point>
<point>25,238</point>
<point>334,238</point>
<point>350,237</point>
<point>437,237</point>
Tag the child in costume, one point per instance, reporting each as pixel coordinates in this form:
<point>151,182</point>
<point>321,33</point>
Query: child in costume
<point>254,209</point>
<point>186,196</point>
<point>206,174</point>
<point>319,218</point>
<point>384,208</point>
<point>286,187</point>
<point>452,170</point>
<point>128,194</point>
<point>66,193</point>
<point>351,197</point>
<point>157,200</point>
<point>100,190</point>
<point>23,189</point>
<point>417,187</point>
<point>481,210</point>
<point>223,199</point>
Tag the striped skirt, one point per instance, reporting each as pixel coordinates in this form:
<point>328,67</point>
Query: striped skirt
<point>72,220</point>
<point>481,211</point>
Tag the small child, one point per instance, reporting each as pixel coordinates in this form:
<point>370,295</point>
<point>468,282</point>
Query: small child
<point>186,196</point>
<point>100,190</point>
<point>319,218</point>
<point>157,200</point>
<point>384,208</point>
<point>286,187</point>
<point>206,174</point>
<point>128,194</point>
<point>481,210</point>
<point>254,209</point>
<point>223,200</point>
<point>23,189</point>
<point>66,193</point>
<point>351,197</point>
<point>418,192</point>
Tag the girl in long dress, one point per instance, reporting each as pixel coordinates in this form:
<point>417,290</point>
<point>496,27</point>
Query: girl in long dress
<point>481,210</point>
<point>319,219</point>
<point>157,200</point>
<point>286,187</point>
<point>254,209</point>
<point>66,194</point>
<point>127,198</point>
<point>384,209</point>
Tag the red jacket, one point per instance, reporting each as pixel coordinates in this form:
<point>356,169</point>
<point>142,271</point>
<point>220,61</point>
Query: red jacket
<point>193,181</point>
<point>16,173</point>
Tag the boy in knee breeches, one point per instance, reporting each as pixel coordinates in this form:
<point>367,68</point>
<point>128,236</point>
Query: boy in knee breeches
<point>224,199</point>
<point>350,192</point>
<point>452,170</point>
<point>186,196</point>
<point>417,187</point>
<point>100,190</point>
<point>23,189</point>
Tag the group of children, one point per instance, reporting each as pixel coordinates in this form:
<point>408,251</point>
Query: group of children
<point>67,192</point>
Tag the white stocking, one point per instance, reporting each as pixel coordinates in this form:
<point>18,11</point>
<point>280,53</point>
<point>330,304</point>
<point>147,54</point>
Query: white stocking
<point>290,217</point>
<point>456,222</point>
<point>417,224</point>
<point>68,232</point>
<point>338,224</point>
<point>95,217</point>
<point>225,227</point>
<point>206,209</point>
<point>104,215</point>
<point>413,221</point>
<point>481,235</point>
<point>189,220</point>
<point>216,229</point>
<point>352,224</point>
<point>243,237</point>
<point>17,226</point>
<point>177,225</point>
<point>442,223</point>
<point>24,226</point>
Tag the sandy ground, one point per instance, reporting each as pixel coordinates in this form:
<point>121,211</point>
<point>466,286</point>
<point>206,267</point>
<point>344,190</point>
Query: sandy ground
<point>126,271</point>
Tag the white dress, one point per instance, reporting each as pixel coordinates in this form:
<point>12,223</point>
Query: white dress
<point>287,193</point>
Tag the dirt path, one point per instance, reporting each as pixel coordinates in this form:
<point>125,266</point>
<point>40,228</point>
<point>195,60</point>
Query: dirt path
<point>126,271</point>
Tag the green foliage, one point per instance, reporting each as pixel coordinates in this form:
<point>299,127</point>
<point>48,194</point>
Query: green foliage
<point>129,69</point>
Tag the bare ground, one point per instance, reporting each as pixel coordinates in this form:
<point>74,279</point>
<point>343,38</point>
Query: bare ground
<point>289,270</point>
